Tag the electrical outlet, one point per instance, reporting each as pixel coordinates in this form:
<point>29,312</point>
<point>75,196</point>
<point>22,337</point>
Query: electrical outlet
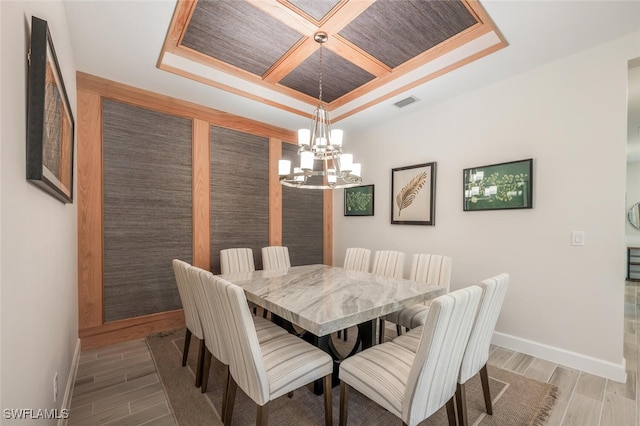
<point>55,387</point>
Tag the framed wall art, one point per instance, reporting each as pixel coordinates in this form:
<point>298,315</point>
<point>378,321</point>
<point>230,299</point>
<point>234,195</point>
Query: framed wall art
<point>413,191</point>
<point>50,124</point>
<point>359,201</point>
<point>498,186</point>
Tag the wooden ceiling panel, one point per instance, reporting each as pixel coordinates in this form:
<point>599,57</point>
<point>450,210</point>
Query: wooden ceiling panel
<point>371,43</point>
<point>239,34</point>
<point>317,9</point>
<point>339,76</point>
<point>420,25</point>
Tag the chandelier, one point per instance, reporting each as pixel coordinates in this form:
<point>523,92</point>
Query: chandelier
<point>319,143</point>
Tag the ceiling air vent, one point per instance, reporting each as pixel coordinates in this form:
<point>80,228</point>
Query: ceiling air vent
<point>406,101</point>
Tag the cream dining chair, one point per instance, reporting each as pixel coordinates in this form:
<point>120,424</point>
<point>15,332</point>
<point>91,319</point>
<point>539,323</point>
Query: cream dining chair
<point>239,260</point>
<point>260,369</point>
<point>388,263</point>
<point>414,385</point>
<point>191,316</point>
<point>208,307</point>
<point>477,351</point>
<point>275,257</point>
<point>427,268</point>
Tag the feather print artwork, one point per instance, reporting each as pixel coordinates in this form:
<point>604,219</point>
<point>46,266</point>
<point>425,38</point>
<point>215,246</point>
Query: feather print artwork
<point>406,196</point>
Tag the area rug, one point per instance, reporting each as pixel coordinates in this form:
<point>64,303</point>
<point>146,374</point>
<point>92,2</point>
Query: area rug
<point>517,400</point>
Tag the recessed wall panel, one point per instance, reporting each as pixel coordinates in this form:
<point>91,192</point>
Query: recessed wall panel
<point>147,208</point>
<point>302,218</point>
<point>239,193</point>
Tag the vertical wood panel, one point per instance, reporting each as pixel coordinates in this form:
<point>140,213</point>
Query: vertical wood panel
<point>89,210</point>
<point>275,193</point>
<point>201,200</point>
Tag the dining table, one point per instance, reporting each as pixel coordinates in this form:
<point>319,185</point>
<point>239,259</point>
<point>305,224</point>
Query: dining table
<point>322,300</point>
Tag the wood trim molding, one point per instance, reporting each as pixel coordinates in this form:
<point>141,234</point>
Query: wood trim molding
<point>150,100</point>
<point>89,140</point>
<point>328,227</point>
<point>201,199</point>
<point>129,329</point>
<point>275,193</point>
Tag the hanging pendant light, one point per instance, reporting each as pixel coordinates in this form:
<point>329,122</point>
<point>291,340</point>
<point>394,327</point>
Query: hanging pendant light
<point>321,143</point>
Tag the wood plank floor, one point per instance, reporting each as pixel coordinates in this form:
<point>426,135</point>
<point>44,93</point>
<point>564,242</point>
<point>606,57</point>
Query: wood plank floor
<point>119,385</point>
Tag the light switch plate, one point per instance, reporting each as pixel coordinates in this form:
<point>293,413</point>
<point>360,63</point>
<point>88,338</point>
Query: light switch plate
<point>577,238</point>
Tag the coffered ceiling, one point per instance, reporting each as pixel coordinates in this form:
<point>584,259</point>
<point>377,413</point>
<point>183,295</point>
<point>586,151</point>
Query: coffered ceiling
<point>265,50</point>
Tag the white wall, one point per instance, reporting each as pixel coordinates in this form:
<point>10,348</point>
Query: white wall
<point>38,245</point>
<point>564,303</point>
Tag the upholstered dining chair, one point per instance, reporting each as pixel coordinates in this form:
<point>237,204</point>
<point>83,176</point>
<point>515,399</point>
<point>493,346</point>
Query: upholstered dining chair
<point>427,268</point>
<point>208,305</point>
<point>275,257</point>
<point>262,370</point>
<point>357,259</point>
<point>477,353</point>
<point>414,385</point>
<point>388,263</point>
<point>192,318</point>
<point>239,260</point>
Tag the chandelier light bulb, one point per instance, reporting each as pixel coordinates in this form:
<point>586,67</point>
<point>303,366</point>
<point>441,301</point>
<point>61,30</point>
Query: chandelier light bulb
<point>284,167</point>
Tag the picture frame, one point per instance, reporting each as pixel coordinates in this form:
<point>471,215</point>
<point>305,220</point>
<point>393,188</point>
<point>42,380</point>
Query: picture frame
<point>413,191</point>
<point>50,122</point>
<point>499,186</point>
<point>359,201</point>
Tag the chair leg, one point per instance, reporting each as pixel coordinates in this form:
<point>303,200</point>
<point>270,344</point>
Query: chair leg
<point>290,395</point>
<point>225,395</point>
<point>264,313</point>
<point>231,396</point>
<point>262,416</point>
<point>461,403</point>
<point>398,329</point>
<point>205,370</point>
<point>344,402</point>
<point>381,331</point>
<point>451,411</point>
<point>185,350</point>
<point>484,378</point>
<point>201,351</point>
<point>328,414</point>
<point>339,334</point>
<point>344,335</point>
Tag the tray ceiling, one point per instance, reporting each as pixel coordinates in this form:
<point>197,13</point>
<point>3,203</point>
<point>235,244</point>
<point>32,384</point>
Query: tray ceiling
<point>264,49</point>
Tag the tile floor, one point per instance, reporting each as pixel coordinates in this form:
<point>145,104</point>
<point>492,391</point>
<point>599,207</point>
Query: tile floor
<point>118,384</point>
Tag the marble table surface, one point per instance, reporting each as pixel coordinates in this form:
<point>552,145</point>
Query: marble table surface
<point>324,299</point>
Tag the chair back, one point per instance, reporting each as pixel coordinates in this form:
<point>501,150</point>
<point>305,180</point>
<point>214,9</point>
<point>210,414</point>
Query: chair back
<point>208,311</point>
<point>236,260</point>
<point>432,269</point>
<point>477,353</point>
<point>357,259</point>
<point>275,257</point>
<point>434,372</point>
<point>246,364</point>
<point>185,290</point>
<point>388,263</point>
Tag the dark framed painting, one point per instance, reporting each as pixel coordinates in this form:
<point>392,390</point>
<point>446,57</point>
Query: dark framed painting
<point>359,201</point>
<point>50,124</point>
<point>413,192</point>
<point>498,186</point>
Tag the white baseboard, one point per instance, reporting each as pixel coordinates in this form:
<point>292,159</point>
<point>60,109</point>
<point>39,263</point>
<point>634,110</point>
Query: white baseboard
<point>570,359</point>
<point>68,391</point>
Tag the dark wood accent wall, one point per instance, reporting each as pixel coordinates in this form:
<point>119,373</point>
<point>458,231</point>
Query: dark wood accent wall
<point>239,193</point>
<point>147,208</point>
<point>302,219</point>
<point>145,158</point>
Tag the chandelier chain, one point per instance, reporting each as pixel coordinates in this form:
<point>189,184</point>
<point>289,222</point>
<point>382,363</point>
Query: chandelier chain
<point>320,76</point>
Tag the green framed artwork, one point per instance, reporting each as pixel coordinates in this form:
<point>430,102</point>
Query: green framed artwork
<point>498,186</point>
<point>358,201</point>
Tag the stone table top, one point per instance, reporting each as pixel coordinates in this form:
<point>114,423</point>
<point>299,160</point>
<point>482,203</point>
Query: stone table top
<point>324,299</point>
